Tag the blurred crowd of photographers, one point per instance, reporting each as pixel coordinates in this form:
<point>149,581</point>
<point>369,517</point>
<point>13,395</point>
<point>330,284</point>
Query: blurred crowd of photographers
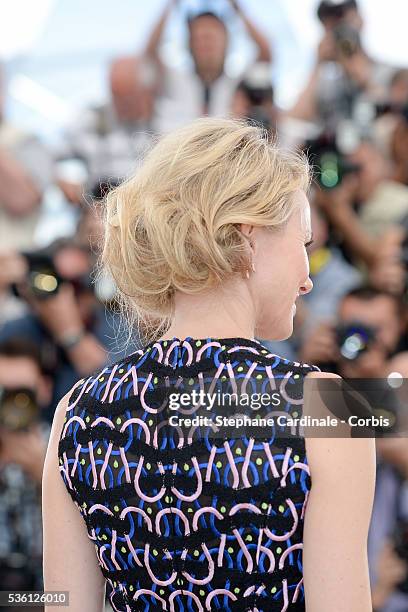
<point>58,319</point>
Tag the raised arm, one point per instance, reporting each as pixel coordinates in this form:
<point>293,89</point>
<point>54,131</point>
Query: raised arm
<point>305,107</point>
<point>152,48</point>
<point>338,513</point>
<point>338,207</point>
<point>69,557</point>
<point>264,49</point>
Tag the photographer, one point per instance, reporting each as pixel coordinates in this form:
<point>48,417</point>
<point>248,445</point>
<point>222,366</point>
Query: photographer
<point>364,206</point>
<point>25,388</point>
<point>368,233</point>
<point>343,75</point>
<point>254,100</point>
<point>206,88</point>
<point>112,138</point>
<point>26,170</point>
<point>69,315</point>
<point>346,229</point>
<point>366,340</point>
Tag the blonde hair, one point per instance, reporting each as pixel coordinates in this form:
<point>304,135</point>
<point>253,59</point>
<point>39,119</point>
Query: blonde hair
<point>173,225</point>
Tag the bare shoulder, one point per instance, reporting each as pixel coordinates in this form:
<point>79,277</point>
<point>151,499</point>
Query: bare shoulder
<point>339,507</point>
<point>69,559</point>
<point>339,453</point>
<point>320,374</point>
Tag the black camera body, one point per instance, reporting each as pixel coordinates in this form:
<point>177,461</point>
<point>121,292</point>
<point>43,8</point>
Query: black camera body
<point>42,277</point>
<point>329,163</point>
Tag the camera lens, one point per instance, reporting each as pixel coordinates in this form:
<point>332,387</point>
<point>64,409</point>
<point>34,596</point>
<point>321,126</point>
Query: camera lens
<point>329,170</point>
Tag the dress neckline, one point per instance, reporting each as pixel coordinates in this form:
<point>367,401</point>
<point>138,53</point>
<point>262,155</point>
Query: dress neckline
<point>178,352</point>
<point>200,342</point>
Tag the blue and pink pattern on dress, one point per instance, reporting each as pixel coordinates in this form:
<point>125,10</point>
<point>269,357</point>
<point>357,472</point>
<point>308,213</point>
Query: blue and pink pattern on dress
<point>189,522</point>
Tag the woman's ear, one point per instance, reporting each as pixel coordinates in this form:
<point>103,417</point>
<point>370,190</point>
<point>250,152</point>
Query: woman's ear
<point>248,231</point>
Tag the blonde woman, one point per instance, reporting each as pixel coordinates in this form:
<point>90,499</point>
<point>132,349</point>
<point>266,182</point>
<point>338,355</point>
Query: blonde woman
<point>207,244</point>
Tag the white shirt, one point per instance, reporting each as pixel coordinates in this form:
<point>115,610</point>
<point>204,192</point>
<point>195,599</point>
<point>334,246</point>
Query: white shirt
<point>183,96</point>
<point>110,149</point>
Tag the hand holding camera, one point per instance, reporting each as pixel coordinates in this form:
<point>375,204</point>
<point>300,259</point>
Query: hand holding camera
<point>320,346</point>
<point>353,343</point>
<point>59,313</point>
<point>338,202</point>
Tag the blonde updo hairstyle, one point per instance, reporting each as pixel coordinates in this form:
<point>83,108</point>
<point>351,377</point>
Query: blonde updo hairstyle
<point>174,224</point>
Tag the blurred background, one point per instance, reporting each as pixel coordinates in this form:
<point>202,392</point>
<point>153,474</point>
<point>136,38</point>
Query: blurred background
<point>85,89</point>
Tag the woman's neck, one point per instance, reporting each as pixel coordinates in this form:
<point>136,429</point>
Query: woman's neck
<point>213,315</point>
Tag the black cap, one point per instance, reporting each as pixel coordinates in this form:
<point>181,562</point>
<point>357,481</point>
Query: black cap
<point>334,8</point>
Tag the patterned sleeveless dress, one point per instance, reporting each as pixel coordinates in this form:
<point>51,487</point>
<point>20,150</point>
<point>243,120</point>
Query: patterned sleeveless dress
<point>184,518</point>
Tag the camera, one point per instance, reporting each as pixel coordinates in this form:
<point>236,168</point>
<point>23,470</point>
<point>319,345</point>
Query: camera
<point>347,39</point>
<point>42,277</point>
<point>353,338</point>
<point>18,408</point>
<point>330,164</point>
<point>44,280</point>
<point>258,90</point>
